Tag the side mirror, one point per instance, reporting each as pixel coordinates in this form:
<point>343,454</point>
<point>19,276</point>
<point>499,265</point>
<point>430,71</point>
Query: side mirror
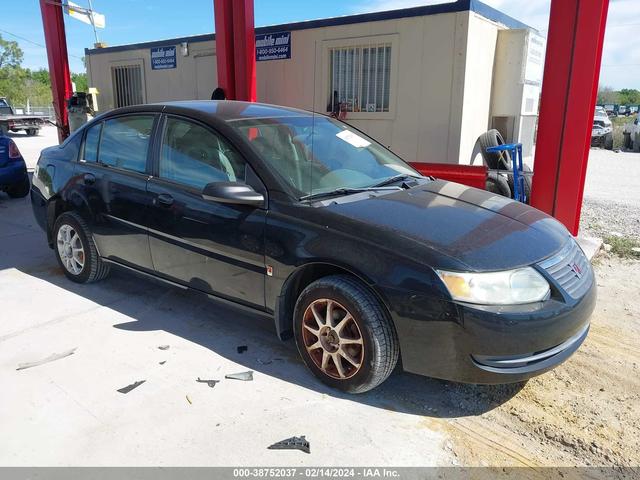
<point>232,192</point>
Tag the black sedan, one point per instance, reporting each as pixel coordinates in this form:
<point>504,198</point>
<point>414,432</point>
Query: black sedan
<point>308,221</point>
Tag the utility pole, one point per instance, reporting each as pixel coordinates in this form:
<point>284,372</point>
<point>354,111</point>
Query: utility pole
<point>95,31</point>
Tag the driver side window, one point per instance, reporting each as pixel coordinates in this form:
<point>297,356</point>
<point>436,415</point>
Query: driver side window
<point>194,156</point>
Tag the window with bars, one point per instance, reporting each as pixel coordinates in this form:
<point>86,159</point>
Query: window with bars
<point>127,85</point>
<point>359,78</point>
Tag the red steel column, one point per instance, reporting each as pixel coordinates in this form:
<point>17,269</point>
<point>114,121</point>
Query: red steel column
<point>56,42</point>
<point>569,88</point>
<point>244,49</point>
<point>223,10</point>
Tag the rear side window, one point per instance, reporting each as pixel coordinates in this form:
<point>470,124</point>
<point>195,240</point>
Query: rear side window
<point>91,143</point>
<point>125,142</point>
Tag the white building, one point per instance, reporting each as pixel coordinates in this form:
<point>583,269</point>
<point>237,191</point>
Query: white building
<point>425,81</point>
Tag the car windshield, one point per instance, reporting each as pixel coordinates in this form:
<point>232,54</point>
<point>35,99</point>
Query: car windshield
<point>320,154</point>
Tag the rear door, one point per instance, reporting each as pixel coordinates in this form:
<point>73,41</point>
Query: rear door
<point>214,247</point>
<point>113,172</point>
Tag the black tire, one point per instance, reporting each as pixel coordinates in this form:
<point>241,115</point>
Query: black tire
<point>94,269</point>
<point>20,190</point>
<point>496,183</point>
<point>527,182</point>
<point>495,160</point>
<point>608,141</point>
<point>32,131</point>
<point>379,351</point>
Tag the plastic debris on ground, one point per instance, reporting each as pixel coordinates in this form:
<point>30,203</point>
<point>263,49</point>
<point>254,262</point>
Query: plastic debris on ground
<point>128,388</point>
<point>244,376</point>
<point>293,443</point>
<point>164,347</point>
<point>210,383</point>
<point>50,358</point>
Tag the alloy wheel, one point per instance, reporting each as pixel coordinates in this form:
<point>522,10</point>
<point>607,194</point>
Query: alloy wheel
<point>333,339</point>
<point>70,249</point>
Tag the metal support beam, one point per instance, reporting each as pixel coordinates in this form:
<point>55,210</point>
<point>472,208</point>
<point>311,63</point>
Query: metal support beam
<point>223,10</point>
<point>235,48</point>
<point>244,50</point>
<point>56,42</point>
<point>569,89</point>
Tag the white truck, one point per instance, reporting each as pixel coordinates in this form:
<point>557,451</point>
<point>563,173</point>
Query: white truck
<point>602,131</point>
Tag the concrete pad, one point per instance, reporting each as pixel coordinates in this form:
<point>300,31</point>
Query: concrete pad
<point>590,245</point>
<point>69,412</point>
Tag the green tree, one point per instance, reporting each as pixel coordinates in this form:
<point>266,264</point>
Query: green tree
<point>42,76</point>
<point>629,96</point>
<point>80,79</point>
<point>10,53</point>
<point>607,95</point>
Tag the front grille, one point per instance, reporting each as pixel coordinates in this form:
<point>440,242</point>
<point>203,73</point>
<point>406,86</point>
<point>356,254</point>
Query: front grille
<point>570,269</point>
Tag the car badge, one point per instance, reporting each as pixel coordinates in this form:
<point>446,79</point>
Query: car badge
<point>575,268</point>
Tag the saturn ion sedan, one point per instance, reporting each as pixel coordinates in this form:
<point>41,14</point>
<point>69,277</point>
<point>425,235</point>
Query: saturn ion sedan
<point>311,223</point>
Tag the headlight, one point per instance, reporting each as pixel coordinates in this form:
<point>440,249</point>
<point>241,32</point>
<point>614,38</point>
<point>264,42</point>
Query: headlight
<point>511,287</point>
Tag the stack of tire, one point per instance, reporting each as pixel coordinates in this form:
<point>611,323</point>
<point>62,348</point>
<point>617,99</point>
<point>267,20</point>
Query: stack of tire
<point>500,175</point>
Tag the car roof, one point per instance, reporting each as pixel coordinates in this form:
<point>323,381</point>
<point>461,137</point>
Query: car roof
<point>225,110</point>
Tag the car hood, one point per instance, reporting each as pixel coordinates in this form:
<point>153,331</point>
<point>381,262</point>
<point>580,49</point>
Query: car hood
<point>456,226</point>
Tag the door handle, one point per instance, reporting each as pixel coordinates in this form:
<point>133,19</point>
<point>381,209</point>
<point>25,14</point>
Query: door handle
<point>165,199</point>
<point>89,178</point>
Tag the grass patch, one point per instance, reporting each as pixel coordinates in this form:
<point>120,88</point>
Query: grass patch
<point>623,246</point>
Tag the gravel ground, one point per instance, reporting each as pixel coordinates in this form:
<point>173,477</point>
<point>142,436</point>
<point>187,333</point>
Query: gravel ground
<point>612,194</point>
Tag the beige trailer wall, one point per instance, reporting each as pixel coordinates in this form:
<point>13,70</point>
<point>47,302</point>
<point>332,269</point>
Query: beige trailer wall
<point>441,72</point>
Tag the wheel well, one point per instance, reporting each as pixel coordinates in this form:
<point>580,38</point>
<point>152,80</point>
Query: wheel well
<point>294,286</point>
<point>55,208</point>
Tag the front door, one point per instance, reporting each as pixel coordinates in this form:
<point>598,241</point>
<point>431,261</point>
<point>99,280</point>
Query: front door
<point>113,175</point>
<point>214,247</point>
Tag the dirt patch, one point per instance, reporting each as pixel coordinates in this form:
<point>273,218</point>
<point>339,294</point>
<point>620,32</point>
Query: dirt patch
<point>586,412</point>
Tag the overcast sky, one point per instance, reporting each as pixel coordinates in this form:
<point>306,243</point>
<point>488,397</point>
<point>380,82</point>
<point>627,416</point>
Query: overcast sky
<point>132,21</point>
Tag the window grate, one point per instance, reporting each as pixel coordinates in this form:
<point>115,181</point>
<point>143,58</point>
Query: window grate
<point>359,78</point>
<point>127,85</point>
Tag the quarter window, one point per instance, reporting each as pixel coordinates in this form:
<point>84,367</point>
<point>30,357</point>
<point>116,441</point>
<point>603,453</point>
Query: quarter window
<point>125,142</point>
<point>195,156</point>
<point>359,78</point>
<point>91,143</point>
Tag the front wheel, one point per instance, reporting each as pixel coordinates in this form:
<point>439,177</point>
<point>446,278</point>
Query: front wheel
<point>75,250</point>
<point>344,334</point>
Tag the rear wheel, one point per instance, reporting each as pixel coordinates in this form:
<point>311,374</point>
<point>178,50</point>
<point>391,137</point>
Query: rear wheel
<point>75,250</point>
<point>32,131</point>
<point>21,189</point>
<point>344,334</point>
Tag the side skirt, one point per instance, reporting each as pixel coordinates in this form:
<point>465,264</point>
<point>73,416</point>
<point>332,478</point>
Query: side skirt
<point>215,298</point>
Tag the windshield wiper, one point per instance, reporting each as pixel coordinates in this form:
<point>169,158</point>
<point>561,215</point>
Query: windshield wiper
<point>394,179</point>
<point>345,191</point>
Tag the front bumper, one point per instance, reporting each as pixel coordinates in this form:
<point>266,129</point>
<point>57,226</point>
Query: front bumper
<point>492,344</point>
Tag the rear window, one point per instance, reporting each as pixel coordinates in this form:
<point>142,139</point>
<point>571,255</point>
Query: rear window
<point>124,142</point>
